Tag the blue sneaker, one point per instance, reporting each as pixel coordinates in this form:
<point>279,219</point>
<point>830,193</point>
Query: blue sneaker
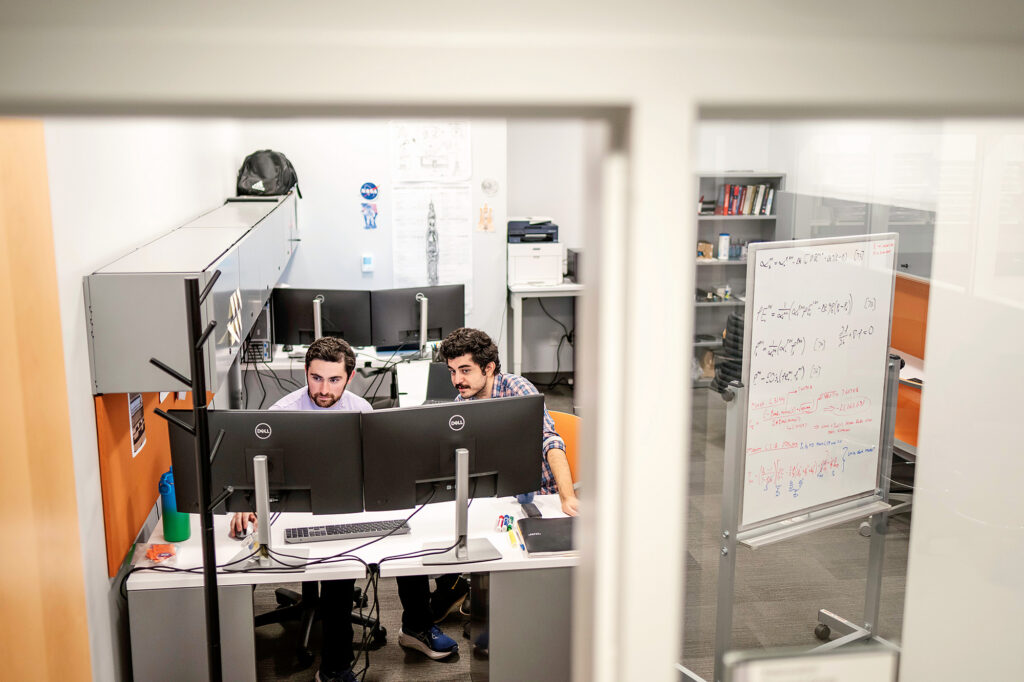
<point>433,643</point>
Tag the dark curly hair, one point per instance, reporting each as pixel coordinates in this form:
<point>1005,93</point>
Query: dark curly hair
<point>474,342</point>
<point>332,349</point>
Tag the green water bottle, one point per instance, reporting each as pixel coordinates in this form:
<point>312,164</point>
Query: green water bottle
<point>177,527</point>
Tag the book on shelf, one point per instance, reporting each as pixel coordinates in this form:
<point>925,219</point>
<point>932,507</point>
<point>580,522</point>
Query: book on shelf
<point>547,536</point>
<point>747,200</point>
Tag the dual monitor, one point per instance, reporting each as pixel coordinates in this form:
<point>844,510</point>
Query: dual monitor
<point>385,318</point>
<point>334,462</point>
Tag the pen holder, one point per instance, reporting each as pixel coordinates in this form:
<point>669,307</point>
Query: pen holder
<point>177,527</point>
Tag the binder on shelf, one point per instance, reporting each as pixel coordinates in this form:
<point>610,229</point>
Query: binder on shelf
<point>547,537</point>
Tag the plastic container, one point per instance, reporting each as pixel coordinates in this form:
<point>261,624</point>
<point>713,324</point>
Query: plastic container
<point>177,526</point>
<point>723,246</point>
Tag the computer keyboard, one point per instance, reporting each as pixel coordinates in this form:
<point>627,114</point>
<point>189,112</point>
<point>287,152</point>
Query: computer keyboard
<point>346,531</point>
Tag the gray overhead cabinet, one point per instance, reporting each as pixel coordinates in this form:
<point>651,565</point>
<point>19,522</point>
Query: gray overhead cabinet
<point>135,307</point>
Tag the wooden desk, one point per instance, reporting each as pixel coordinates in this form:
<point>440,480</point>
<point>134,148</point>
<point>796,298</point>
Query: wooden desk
<point>166,609</point>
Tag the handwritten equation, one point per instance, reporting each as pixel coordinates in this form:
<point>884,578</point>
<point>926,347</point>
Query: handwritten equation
<point>777,478</point>
<point>772,261</point>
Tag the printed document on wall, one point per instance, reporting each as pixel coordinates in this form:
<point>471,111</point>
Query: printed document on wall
<point>430,151</point>
<point>433,236</point>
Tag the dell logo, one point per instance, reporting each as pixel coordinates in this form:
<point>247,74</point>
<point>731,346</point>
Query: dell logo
<point>456,422</point>
<point>263,430</point>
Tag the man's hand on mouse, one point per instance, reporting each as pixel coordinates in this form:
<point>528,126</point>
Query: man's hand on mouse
<point>239,523</point>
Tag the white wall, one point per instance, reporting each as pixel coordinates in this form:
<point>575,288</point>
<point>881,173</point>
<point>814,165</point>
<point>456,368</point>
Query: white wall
<point>878,161</point>
<point>333,158</point>
<point>115,184</point>
<point>967,534</point>
<point>554,170</point>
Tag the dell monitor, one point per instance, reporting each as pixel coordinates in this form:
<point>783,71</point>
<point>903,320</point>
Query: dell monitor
<point>400,316</point>
<point>453,451</point>
<point>277,459</point>
<point>344,314</point>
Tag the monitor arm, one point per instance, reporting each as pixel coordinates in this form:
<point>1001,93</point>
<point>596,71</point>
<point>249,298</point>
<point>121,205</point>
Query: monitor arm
<point>424,305</point>
<point>466,550</point>
<point>318,321</point>
<point>257,553</point>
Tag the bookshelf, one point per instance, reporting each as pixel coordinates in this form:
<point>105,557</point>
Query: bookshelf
<point>753,220</point>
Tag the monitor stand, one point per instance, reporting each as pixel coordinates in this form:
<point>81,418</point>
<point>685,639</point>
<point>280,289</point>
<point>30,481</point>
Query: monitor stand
<point>263,560</point>
<point>467,550</point>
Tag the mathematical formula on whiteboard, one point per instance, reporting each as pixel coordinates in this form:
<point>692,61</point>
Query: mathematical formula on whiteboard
<point>817,324</point>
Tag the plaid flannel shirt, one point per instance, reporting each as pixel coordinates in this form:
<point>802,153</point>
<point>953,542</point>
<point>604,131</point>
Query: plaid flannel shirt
<point>509,385</point>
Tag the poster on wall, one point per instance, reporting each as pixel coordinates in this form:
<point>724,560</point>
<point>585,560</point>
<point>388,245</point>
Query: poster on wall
<point>136,422</point>
<point>430,151</point>
<point>433,236</point>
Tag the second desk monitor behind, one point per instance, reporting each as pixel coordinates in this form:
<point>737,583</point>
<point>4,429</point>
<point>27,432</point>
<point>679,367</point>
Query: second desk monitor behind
<point>344,314</point>
<point>313,464</point>
<point>471,448</point>
<point>396,314</point>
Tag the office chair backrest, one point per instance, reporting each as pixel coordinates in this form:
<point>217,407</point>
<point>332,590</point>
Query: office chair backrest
<point>568,427</point>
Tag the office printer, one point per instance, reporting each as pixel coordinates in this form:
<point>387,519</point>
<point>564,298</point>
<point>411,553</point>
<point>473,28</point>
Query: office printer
<point>522,230</point>
<point>534,254</point>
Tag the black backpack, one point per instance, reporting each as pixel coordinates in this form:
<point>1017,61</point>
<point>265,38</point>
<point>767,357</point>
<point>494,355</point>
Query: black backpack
<point>267,172</point>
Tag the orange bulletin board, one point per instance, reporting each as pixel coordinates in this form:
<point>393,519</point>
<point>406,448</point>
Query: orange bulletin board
<point>129,484</point>
<point>910,316</point>
<point>909,324</point>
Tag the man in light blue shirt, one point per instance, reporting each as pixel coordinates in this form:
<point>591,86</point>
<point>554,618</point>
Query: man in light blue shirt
<point>330,365</point>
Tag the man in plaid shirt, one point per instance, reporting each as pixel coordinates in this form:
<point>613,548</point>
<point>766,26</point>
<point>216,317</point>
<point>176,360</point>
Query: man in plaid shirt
<point>476,372</point>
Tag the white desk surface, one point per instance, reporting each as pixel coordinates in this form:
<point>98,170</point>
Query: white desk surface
<point>914,369</point>
<point>434,523</point>
<point>566,288</point>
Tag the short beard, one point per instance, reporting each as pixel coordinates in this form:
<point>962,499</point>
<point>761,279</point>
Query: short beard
<point>313,398</point>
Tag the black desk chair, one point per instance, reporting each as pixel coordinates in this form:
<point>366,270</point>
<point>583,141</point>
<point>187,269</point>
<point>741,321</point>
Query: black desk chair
<point>305,608</point>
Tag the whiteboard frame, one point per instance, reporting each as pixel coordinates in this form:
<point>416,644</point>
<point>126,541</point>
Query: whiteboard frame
<point>868,496</point>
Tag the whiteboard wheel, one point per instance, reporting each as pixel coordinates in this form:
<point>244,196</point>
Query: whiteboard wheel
<point>864,529</point>
<point>822,632</point>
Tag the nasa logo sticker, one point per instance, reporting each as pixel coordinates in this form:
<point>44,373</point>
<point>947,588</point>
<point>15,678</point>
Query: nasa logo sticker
<point>368,190</point>
<point>263,430</point>
<point>456,422</point>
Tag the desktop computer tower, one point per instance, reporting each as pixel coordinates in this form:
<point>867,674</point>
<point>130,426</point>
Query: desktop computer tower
<point>259,347</point>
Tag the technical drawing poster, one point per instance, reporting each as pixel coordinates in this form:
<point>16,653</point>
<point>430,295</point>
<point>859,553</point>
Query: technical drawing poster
<point>433,236</point>
<point>430,151</point>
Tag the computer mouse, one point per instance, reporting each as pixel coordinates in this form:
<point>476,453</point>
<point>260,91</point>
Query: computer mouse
<point>287,348</point>
<point>244,535</point>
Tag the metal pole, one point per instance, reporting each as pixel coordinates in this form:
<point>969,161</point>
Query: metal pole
<point>318,323</point>
<point>732,473</point>
<point>880,522</point>
<point>424,303</point>
<point>198,366</point>
<point>461,501</point>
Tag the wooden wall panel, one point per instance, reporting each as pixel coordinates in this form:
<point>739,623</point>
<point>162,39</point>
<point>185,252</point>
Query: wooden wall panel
<point>44,626</point>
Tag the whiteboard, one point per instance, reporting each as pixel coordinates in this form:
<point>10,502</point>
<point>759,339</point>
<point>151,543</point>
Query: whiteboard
<point>816,343</point>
